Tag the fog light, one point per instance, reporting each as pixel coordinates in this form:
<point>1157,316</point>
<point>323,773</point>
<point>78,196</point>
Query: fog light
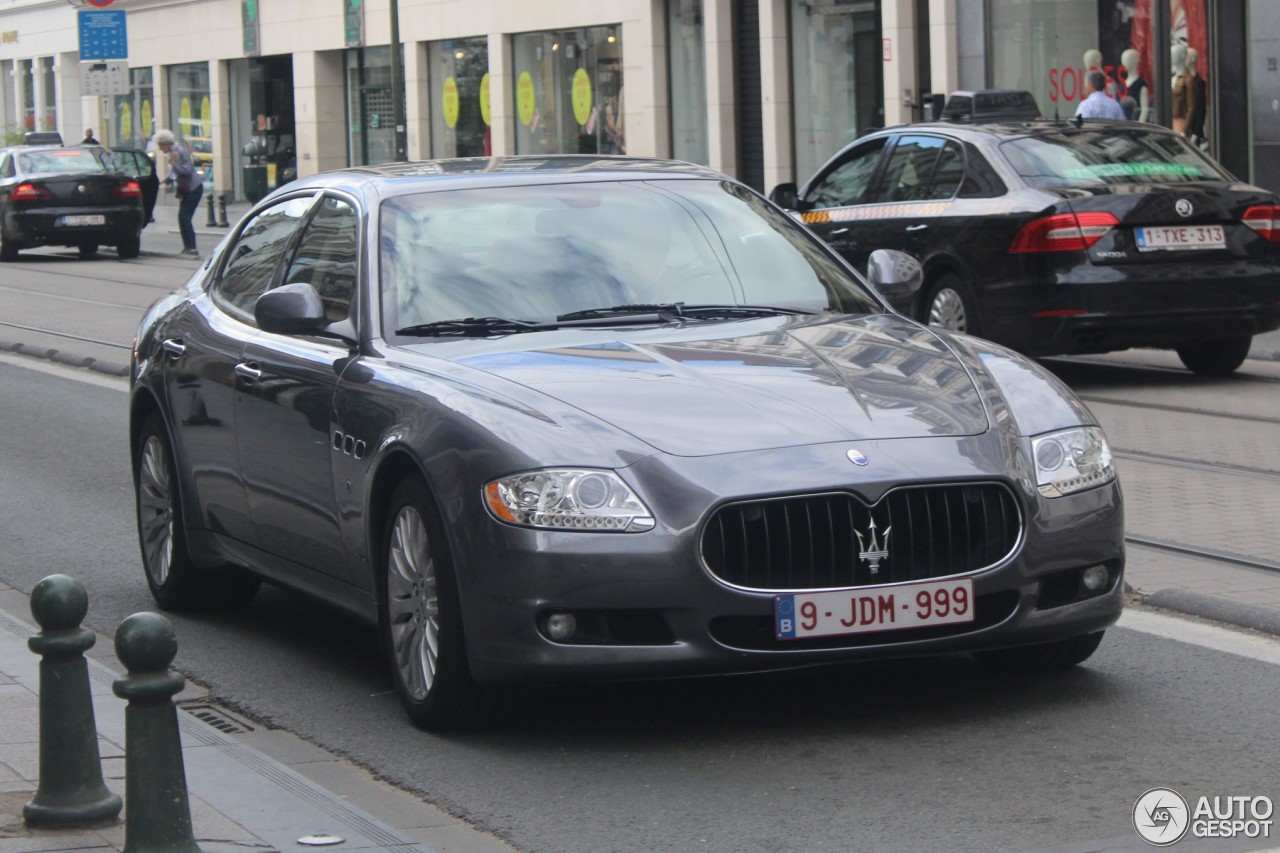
<point>1095,578</point>
<point>560,626</point>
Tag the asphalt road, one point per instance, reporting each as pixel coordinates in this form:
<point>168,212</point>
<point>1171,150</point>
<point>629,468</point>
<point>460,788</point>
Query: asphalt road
<point>917,755</point>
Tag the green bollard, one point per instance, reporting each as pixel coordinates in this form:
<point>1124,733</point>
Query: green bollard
<point>159,816</point>
<point>71,789</point>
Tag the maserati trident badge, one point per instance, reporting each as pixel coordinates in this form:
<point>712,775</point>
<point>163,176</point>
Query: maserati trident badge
<point>856,457</point>
<point>877,551</point>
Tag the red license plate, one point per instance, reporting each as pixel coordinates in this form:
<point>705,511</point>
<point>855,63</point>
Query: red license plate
<point>873,608</point>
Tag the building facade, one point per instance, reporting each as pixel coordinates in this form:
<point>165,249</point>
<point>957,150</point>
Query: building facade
<point>765,90</point>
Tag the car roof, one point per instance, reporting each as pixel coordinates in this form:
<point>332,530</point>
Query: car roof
<point>1011,129</point>
<point>391,179</point>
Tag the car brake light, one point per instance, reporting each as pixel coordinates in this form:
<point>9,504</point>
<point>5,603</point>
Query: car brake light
<point>1265,219</point>
<point>128,190</point>
<point>1065,232</point>
<point>29,192</point>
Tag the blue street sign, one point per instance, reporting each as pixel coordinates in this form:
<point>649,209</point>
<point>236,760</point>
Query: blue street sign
<point>103,35</point>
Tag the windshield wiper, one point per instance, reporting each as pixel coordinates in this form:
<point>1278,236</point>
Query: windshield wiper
<point>472,327</point>
<point>668,311</point>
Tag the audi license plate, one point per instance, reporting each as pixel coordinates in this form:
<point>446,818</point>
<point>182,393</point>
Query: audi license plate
<point>86,219</point>
<point>873,608</point>
<point>1180,238</point>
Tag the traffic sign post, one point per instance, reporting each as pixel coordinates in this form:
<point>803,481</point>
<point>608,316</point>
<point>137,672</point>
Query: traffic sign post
<point>103,35</point>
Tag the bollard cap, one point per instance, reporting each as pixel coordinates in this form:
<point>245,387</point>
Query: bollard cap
<point>146,642</point>
<point>59,602</point>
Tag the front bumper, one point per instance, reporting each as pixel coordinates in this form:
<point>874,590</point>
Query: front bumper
<point>651,609</point>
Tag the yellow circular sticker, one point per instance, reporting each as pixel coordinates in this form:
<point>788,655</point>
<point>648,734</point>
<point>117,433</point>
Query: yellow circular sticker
<point>184,117</point>
<point>126,120</point>
<point>582,96</point>
<point>449,102</point>
<point>484,99</point>
<point>525,98</point>
<point>206,117</point>
<point>148,126</point>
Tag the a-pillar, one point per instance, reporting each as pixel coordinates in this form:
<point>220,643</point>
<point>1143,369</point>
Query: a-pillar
<point>319,111</point>
<point>898,25</point>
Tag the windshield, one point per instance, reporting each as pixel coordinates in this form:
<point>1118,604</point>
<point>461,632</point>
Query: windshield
<point>1108,156</point>
<point>536,253</point>
<point>59,161</point>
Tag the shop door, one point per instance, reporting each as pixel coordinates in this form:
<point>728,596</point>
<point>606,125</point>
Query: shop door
<point>379,125</point>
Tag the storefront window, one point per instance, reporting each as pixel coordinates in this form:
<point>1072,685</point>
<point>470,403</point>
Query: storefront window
<point>459,97</point>
<point>687,56</point>
<point>135,112</point>
<point>836,74</point>
<point>370,118</point>
<point>190,111</point>
<point>48,95</point>
<point>569,92</point>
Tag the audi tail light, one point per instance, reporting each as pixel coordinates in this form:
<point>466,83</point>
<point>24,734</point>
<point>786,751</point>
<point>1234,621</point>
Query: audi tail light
<point>128,190</point>
<point>30,192</point>
<point>1064,232</point>
<point>1265,219</point>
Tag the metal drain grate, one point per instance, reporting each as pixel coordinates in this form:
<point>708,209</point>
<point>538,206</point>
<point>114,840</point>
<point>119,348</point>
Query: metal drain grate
<point>219,718</point>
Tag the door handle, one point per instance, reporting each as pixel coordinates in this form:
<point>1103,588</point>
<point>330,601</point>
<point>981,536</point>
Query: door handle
<point>174,347</point>
<point>249,371</point>
<point>919,227</point>
<point>839,232</point>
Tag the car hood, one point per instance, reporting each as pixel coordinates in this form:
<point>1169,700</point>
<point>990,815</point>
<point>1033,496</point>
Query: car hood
<point>753,385</point>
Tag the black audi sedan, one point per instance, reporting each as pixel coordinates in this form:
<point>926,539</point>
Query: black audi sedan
<point>566,418</point>
<point>55,196</point>
<point>1061,237</point>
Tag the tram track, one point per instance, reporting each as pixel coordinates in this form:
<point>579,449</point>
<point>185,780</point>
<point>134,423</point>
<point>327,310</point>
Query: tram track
<point>67,335</point>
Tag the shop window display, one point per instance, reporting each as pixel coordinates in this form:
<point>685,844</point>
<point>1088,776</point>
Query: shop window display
<point>569,92</point>
<point>459,81</point>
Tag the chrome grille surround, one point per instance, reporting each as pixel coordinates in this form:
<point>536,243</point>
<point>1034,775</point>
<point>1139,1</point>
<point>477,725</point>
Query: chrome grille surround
<point>805,543</point>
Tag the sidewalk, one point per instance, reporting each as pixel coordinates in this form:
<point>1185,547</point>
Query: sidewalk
<point>242,799</point>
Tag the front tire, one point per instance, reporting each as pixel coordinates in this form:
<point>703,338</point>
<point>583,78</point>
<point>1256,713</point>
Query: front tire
<point>175,582</point>
<point>1216,358</point>
<point>949,304</point>
<point>1061,654</point>
<point>420,617</point>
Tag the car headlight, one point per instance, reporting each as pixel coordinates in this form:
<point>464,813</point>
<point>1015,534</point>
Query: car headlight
<point>1072,460</point>
<point>568,499</point>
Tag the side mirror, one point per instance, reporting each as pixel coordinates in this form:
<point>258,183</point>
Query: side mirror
<point>895,275</point>
<point>786,196</point>
<point>291,309</point>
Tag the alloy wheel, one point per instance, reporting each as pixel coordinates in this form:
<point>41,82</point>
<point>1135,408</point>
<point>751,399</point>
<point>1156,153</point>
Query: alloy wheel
<point>947,310</point>
<point>413,604</point>
<point>155,510</point>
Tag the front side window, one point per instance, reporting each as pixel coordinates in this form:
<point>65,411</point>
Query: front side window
<point>326,256</point>
<point>849,182</point>
<point>534,253</point>
<point>252,262</point>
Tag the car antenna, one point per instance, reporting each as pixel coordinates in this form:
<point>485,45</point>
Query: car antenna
<point>1078,121</point>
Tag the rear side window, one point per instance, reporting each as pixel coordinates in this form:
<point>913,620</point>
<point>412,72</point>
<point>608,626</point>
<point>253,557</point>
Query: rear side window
<point>1097,157</point>
<point>980,179</point>
<point>910,168</point>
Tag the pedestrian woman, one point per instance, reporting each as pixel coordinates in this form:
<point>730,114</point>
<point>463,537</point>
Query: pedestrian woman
<point>189,186</point>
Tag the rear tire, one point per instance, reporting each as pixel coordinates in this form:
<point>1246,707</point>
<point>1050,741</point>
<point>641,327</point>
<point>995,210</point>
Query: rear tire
<point>129,248</point>
<point>1216,358</point>
<point>8,249</point>
<point>175,582</point>
<point>420,616</point>
<point>88,250</point>
<point>949,304</point>
<point>1061,654</point>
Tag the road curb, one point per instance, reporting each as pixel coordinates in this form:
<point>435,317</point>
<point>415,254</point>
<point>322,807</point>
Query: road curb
<point>1217,609</point>
<point>67,358</point>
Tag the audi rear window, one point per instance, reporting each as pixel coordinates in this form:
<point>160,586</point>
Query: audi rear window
<point>1107,156</point>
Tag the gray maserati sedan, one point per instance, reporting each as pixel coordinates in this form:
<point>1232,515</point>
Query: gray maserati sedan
<point>567,418</point>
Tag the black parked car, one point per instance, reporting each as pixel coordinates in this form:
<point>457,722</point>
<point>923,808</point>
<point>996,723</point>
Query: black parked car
<point>54,196</point>
<point>599,418</point>
<point>1060,237</point>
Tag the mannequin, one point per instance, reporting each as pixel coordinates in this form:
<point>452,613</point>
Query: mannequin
<point>1135,86</point>
<point>1092,60</point>
<point>1197,92</point>
<point>1181,87</point>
